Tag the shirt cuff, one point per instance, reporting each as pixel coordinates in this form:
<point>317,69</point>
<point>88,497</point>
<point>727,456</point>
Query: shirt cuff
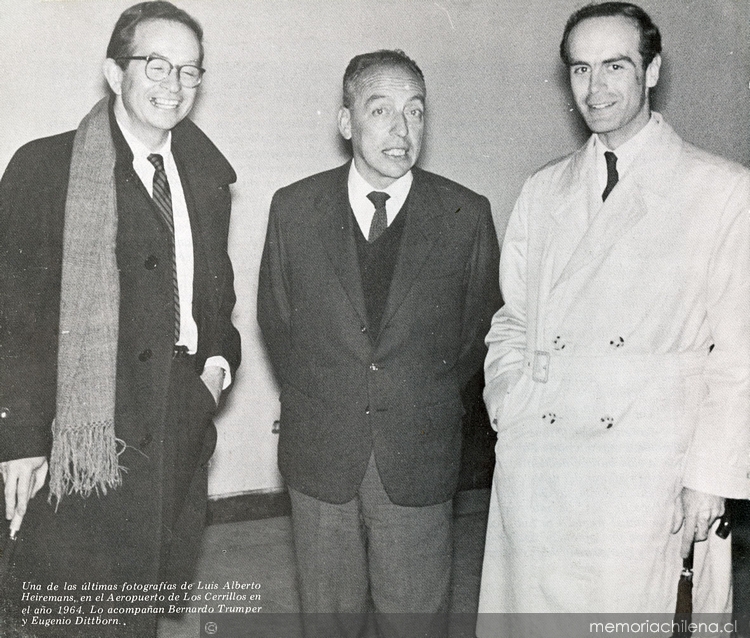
<point>220,362</point>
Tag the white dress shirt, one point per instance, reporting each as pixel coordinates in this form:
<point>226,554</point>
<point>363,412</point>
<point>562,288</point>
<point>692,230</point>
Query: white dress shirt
<point>183,238</point>
<point>625,153</point>
<point>364,209</point>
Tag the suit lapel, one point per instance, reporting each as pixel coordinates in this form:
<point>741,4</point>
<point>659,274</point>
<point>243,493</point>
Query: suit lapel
<point>423,222</point>
<point>336,231</point>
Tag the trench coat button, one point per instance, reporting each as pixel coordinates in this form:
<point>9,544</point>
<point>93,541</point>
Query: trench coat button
<point>152,261</point>
<point>145,355</point>
<point>4,413</point>
<point>374,367</point>
<point>558,343</point>
<point>146,441</point>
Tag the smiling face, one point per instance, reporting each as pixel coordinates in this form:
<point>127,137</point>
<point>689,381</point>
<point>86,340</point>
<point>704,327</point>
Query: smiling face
<point>609,83</point>
<point>151,109</point>
<point>385,123</point>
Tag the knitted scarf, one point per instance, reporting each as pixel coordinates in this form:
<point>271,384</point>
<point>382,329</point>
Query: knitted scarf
<point>84,447</point>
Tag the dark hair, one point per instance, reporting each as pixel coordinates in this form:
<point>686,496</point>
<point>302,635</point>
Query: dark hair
<point>121,42</point>
<point>360,64</point>
<point>650,44</point>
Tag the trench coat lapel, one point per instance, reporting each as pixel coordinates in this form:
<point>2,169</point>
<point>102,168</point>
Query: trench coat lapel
<point>643,189</point>
<point>336,231</point>
<point>423,222</point>
<point>568,223</point>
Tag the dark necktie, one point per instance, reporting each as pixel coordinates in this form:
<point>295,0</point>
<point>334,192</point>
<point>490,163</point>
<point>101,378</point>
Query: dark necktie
<point>612,175</point>
<point>380,218</point>
<point>163,200</point>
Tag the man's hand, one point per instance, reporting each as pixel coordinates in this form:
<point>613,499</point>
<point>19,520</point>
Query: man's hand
<point>698,511</point>
<point>23,478</point>
<point>497,392</point>
<point>213,378</point>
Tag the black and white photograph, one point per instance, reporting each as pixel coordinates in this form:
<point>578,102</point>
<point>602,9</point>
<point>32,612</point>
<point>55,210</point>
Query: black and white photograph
<point>375,318</point>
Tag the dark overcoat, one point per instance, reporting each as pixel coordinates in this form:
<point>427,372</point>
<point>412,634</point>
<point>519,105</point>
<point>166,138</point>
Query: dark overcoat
<point>120,535</point>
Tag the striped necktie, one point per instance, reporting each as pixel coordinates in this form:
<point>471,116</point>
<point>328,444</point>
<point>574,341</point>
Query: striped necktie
<point>163,199</point>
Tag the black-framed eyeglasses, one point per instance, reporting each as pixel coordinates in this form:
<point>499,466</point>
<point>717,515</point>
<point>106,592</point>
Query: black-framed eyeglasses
<point>158,70</point>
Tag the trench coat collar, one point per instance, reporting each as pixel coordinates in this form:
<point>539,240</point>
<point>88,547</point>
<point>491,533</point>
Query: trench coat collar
<point>644,189</point>
<point>336,230</point>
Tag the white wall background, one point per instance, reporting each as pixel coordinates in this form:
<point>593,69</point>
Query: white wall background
<point>498,107</point>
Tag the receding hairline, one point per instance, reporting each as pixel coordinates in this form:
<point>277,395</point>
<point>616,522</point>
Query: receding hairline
<point>366,63</point>
<point>633,22</point>
<point>356,84</point>
<point>649,41</point>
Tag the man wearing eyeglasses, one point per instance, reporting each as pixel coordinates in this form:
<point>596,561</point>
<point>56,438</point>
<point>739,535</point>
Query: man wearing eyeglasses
<point>116,340</point>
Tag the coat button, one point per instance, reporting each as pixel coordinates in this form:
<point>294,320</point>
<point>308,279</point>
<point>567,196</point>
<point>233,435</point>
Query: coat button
<point>367,410</point>
<point>363,329</point>
<point>145,441</point>
<point>151,262</point>
<point>145,355</point>
<point>4,413</point>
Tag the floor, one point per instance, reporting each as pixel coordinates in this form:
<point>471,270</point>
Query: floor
<point>261,552</point>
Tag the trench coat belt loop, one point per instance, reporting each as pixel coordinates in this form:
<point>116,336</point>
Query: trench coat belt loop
<point>538,361</point>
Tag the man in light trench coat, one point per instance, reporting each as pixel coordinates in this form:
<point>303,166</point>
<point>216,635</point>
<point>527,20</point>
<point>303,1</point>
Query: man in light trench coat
<point>617,372</point>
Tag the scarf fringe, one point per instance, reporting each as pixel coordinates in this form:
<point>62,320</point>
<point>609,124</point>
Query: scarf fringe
<point>87,460</point>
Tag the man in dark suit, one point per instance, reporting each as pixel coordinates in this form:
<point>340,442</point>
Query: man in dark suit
<point>116,293</point>
<point>376,288</point>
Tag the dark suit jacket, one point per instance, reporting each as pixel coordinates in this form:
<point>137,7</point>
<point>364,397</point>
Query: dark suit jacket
<point>127,521</point>
<point>345,391</point>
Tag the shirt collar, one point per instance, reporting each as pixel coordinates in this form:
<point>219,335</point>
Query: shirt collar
<point>628,151</point>
<point>139,149</point>
<point>359,187</point>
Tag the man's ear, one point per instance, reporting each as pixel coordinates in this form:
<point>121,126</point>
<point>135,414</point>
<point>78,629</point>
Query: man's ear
<point>345,123</point>
<point>113,73</point>
<point>652,71</point>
